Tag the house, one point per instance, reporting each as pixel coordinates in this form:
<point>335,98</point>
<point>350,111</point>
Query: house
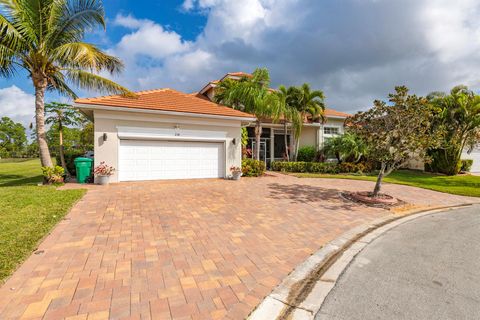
<point>272,142</point>
<point>167,134</point>
<point>474,155</point>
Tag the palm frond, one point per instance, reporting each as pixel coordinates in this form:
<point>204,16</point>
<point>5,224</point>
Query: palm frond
<point>58,83</point>
<point>72,18</point>
<point>91,81</point>
<point>86,56</point>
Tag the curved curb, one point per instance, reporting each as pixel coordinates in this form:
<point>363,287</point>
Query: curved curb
<point>302,292</point>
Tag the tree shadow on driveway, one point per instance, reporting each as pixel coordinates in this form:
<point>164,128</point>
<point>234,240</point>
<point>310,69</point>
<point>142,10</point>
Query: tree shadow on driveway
<point>311,195</point>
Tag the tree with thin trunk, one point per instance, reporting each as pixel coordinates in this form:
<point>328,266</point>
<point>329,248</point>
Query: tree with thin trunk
<point>310,104</point>
<point>45,38</point>
<point>291,116</point>
<point>252,95</point>
<point>396,132</point>
<point>61,115</point>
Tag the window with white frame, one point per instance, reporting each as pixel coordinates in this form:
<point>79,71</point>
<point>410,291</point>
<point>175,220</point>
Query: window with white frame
<point>331,130</point>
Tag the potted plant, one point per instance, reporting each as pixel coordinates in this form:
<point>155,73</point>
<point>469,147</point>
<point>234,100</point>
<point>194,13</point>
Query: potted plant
<point>103,173</point>
<point>236,172</point>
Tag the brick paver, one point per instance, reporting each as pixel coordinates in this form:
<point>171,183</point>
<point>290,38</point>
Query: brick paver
<point>205,249</point>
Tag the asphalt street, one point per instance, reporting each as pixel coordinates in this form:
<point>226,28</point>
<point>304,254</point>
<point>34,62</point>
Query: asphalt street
<point>428,268</point>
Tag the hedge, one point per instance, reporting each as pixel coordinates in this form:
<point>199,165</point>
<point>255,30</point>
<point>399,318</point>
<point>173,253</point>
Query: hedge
<point>467,165</point>
<point>321,167</point>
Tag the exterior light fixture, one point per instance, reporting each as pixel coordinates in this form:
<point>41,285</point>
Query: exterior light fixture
<point>234,141</point>
<point>177,130</point>
<point>105,136</point>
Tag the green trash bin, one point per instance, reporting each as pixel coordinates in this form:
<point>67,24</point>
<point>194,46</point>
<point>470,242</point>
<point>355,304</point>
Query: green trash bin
<point>84,169</point>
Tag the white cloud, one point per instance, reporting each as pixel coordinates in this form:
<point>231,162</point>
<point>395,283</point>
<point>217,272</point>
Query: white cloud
<point>17,105</point>
<point>356,51</point>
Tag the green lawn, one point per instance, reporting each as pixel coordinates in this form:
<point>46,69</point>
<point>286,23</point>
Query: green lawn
<point>465,185</point>
<point>27,211</point>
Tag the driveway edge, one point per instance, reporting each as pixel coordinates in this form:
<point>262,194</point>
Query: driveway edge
<point>303,291</point>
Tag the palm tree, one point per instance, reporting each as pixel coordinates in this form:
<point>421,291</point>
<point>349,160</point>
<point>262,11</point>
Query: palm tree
<point>458,114</point>
<point>252,95</point>
<point>289,114</point>
<point>347,147</point>
<point>309,104</point>
<point>45,38</point>
<point>61,115</point>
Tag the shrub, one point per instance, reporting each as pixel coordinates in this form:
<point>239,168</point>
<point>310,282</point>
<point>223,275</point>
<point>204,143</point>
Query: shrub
<point>70,156</point>
<point>53,175</point>
<point>312,167</point>
<point>306,154</point>
<point>443,161</point>
<point>351,167</point>
<point>322,167</point>
<point>253,168</point>
<point>467,165</point>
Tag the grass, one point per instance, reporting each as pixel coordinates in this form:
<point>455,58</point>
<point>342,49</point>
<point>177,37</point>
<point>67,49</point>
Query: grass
<point>465,185</point>
<point>28,212</point>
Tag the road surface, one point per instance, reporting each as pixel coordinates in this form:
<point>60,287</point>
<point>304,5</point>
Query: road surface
<point>428,268</point>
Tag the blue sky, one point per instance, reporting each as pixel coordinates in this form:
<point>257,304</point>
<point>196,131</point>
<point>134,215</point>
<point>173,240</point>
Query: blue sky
<point>354,50</point>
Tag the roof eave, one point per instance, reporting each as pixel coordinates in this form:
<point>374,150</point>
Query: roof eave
<point>151,111</point>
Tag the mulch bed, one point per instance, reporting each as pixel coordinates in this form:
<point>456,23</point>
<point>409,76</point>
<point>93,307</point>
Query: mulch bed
<point>381,201</point>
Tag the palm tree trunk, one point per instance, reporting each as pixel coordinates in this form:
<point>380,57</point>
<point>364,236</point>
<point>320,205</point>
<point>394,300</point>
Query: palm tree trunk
<point>286,140</point>
<point>61,149</point>
<point>258,134</point>
<point>40,88</point>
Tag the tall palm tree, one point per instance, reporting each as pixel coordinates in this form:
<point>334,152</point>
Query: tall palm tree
<point>252,95</point>
<point>289,114</point>
<point>309,104</point>
<point>44,37</point>
<point>61,115</point>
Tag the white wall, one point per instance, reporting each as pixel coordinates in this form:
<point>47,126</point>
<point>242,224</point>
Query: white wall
<point>108,122</point>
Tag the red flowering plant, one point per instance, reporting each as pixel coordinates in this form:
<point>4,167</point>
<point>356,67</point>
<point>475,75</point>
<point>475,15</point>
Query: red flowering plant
<point>103,169</point>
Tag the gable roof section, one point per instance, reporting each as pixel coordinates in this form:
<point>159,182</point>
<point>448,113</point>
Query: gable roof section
<point>165,100</point>
<point>336,114</point>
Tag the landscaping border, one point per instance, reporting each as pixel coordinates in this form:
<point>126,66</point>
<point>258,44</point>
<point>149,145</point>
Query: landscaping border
<point>302,292</point>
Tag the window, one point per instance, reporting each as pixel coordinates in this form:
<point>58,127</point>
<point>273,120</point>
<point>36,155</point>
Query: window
<point>331,130</point>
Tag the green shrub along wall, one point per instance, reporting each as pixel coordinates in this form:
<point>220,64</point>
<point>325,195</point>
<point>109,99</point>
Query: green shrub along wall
<point>321,167</point>
<point>306,154</point>
<point>467,165</point>
<point>253,168</point>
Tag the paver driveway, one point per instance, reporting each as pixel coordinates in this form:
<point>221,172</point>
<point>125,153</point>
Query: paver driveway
<point>206,249</point>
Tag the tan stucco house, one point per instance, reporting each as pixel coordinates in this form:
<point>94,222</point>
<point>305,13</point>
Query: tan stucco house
<point>167,134</point>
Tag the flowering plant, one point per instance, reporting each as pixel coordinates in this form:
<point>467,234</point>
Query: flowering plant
<point>234,169</point>
<point>103,169</point>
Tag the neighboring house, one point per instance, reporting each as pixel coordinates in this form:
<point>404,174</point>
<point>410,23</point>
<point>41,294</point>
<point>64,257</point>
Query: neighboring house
<point>475,156</point>
<point>167,134</point>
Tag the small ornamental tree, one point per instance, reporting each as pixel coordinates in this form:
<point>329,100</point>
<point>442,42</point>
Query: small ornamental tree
<point>395,132</point>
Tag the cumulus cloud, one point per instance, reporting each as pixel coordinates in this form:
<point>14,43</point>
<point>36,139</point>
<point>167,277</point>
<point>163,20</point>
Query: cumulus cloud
<point>17,105</point>
<point>356,51</point>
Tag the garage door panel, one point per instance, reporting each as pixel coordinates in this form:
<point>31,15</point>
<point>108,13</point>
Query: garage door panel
<point>156,160</point>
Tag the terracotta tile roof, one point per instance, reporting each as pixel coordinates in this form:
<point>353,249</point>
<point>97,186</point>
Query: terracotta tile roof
<point>239,74</point>
<point>335,113</point>
<point>166,100</point>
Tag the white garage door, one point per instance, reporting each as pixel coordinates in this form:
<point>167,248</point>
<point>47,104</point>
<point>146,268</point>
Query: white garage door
<point>156,160</point>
